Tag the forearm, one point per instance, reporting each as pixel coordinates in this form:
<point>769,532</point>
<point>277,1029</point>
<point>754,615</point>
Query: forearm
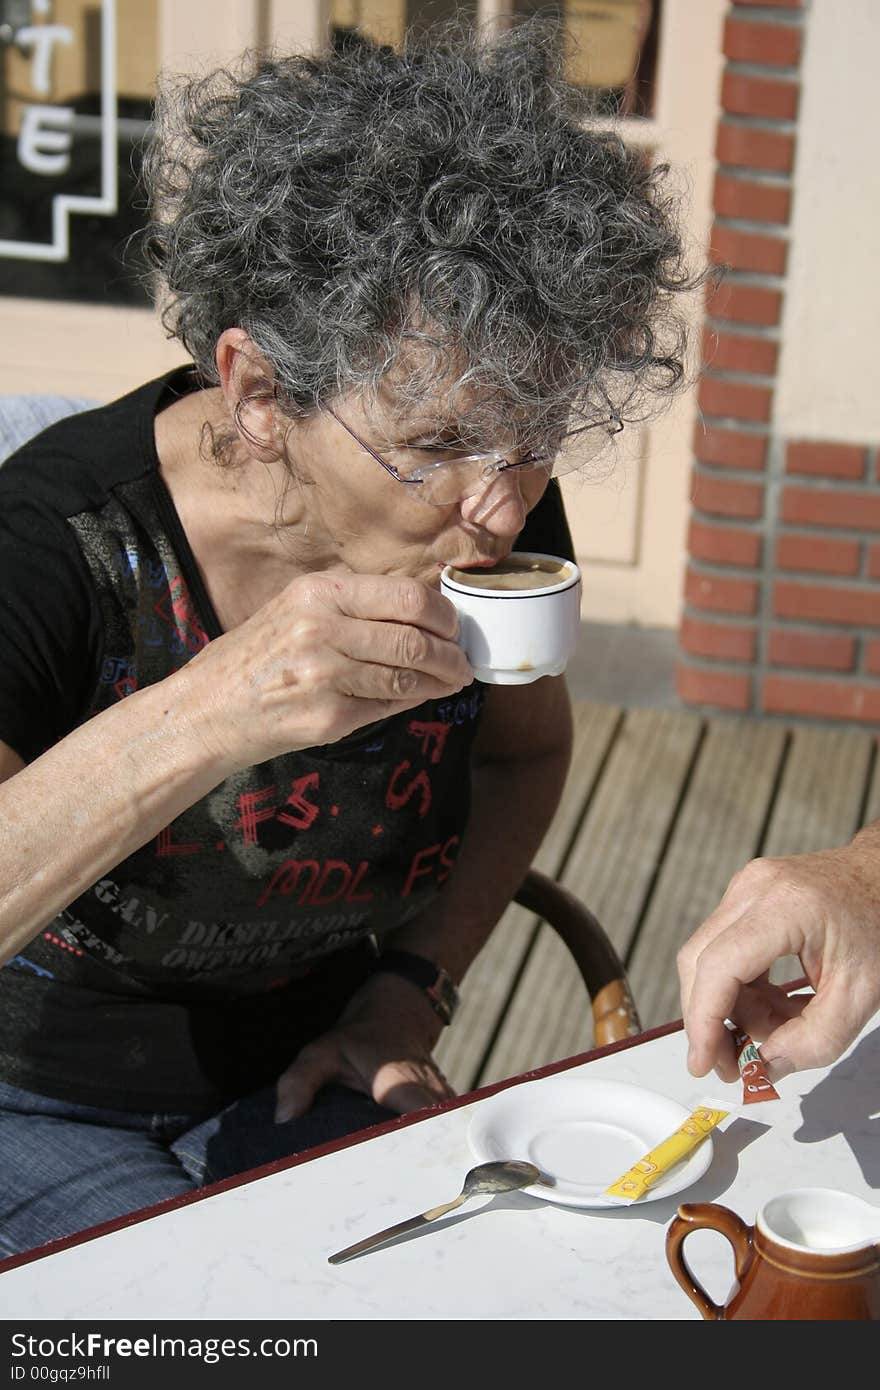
<point>513,803</point>
<point>95,797</point>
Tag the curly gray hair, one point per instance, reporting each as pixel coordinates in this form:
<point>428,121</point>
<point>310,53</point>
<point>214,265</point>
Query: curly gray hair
<point>342,208</point>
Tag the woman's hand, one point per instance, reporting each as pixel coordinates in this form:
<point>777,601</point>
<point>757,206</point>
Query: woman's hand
<point>380,1046</point>
<point>332,652</point>
<point>822,907</point>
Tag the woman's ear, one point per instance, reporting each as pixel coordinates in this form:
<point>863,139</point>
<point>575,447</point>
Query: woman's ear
<point>248,385</point>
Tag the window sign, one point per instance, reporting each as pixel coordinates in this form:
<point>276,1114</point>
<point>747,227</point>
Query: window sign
<point>77,84</point>
<point>48,130</point>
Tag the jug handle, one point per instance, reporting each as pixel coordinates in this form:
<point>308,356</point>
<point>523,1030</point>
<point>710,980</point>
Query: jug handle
<point>710,1215</point>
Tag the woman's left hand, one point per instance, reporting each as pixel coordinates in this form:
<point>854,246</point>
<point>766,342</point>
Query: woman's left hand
<point>381,1046</point>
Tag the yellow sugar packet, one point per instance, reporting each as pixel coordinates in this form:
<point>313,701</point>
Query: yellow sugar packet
<point>636,1180</point>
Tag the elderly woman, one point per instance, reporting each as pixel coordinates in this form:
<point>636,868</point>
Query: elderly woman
<point>258,816</point>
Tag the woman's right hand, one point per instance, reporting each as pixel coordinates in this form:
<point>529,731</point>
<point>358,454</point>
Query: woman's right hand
<point>332,652</point>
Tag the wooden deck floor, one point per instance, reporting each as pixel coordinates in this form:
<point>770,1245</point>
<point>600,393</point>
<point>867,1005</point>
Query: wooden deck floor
<point>660,810</point>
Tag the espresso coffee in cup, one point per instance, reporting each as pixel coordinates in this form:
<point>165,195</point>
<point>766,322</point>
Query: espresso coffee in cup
<point>516,572</point>
<point>520,619</point>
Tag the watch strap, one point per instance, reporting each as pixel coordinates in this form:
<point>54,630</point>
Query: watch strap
<point>431,978</point>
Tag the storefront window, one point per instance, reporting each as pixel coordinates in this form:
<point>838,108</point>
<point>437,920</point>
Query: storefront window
<point>76,87</point>
<point>387,20</point>
<point>77,81</point>
<point>615,49</point>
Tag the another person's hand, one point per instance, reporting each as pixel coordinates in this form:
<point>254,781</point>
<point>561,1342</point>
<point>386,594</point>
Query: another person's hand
<point>823,907</point>
<point>332,652</point>
<point>381,1046</point>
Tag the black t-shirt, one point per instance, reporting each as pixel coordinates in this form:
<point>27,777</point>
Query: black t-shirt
<point>195,969</point>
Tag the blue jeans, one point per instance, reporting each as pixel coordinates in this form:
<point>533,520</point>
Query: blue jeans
<point>65,1167</point>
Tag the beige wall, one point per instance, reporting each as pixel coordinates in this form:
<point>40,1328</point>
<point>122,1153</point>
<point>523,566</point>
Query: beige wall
<point>80,349</point>
<point>630,529</point>
<point>828,382</point>
<point>204,33</point>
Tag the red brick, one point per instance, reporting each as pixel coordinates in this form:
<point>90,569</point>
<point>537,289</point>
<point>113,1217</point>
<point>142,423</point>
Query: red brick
<point>874,561</point>
<point>759,96</point>
<point>820,553</point>
<point>714,593</point>
<point>777,45</point>
<point>735,399</point>
<point>730,448</point>
<point>739,352</point>
<point>744,303</point>
<point>859,511</point>
<point>723,545</point>
<point>749,148</point>
<point>825,699</point>
<point>825,460</point>
<point>722,641</point>
<point>827,603</point>
<point>748,251</point>
<point>750,200</point>
<point>720,689</point>
<point>823,651</point>
<point>722,496</point>
<point>872,658</point>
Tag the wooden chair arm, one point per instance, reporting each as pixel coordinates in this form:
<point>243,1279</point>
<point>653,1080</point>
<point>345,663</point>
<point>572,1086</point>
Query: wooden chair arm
<point>615,1015</point>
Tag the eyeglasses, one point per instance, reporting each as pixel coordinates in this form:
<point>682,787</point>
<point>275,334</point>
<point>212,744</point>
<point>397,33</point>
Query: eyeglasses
<point>445,481</point>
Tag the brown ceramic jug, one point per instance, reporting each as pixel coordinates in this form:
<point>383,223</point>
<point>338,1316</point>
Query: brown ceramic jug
<point>812,1254</point>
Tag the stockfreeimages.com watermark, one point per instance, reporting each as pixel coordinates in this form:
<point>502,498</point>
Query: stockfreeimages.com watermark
<point>96,1346</point>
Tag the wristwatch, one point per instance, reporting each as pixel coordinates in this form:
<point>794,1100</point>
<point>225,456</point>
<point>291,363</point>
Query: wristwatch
<point>432,979</point>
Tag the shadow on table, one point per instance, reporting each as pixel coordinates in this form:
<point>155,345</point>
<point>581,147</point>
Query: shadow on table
<point>728,1145</point>
<point>839,1104</point>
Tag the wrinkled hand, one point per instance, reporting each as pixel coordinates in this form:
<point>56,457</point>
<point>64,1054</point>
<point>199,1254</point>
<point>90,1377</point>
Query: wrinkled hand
<point>332,652</point>
<point>822,907</point>
<point>381,1046</point>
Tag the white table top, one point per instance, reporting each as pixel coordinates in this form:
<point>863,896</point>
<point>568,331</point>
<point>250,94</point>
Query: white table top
<point>259,1250</point>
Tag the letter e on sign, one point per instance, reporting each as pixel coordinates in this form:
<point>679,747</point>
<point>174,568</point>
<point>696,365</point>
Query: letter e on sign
<point>44,139</point>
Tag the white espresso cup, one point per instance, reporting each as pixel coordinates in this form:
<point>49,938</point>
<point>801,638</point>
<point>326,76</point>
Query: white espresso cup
<point>520,619</point>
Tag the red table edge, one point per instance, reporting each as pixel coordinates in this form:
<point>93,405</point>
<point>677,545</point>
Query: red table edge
<point>119,1223</point>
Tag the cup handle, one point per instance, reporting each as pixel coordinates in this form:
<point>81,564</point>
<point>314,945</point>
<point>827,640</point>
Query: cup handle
<point>691,1217</point>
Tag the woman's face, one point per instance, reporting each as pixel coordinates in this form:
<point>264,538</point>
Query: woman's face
<point>364,517</point>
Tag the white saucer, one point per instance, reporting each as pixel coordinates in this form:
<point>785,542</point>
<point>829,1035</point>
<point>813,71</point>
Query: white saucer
<point>583,1135</point>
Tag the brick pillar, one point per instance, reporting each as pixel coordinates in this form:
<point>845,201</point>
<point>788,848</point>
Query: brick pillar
<point>781,590</point>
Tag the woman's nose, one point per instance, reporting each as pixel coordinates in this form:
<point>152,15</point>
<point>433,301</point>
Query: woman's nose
<point>500,506</point>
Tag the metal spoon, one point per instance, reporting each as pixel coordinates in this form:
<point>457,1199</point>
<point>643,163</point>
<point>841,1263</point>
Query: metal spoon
<point>504,1176</point>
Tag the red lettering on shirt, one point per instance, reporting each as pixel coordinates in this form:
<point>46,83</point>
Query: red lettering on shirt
<point>165,846</point>
<point>420,866</point>
<point>250,813</point>
<point>286,877</point>
<point>395,799</point>
<point>447,857</point>
<point>346,883</point>
<point>306,811</point>
<point>433,735</point>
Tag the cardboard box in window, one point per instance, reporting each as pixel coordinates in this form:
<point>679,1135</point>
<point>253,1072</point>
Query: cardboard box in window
<point>608,36</point>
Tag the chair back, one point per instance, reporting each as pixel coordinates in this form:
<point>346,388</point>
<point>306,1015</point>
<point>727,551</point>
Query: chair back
<point>24,416</point>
